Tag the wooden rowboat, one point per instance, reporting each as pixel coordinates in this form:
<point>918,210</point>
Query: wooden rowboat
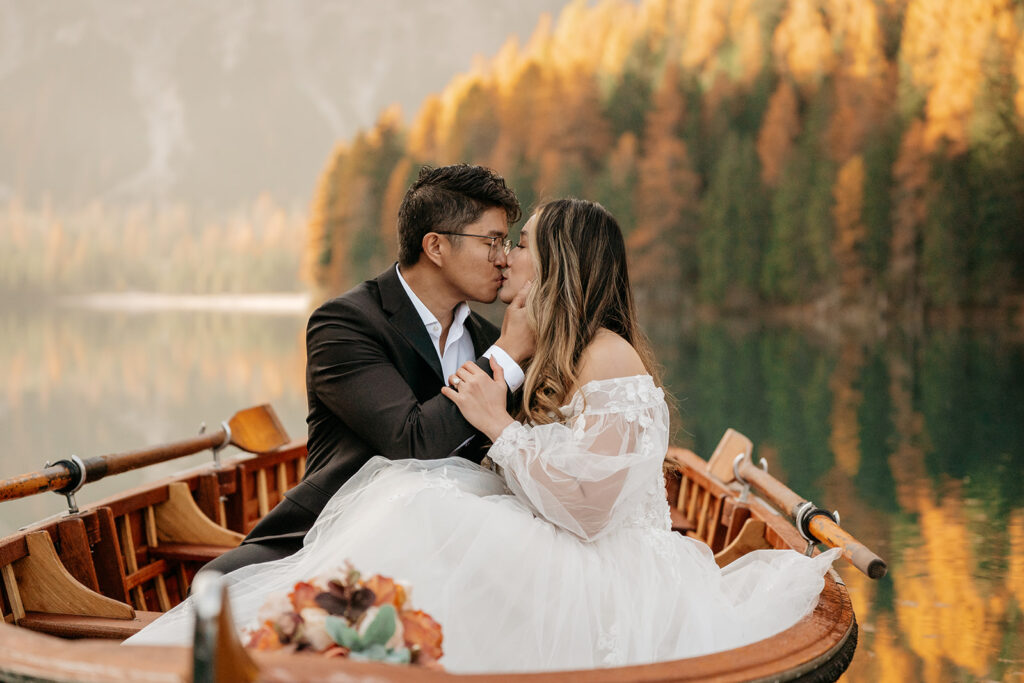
<point>74,586</point>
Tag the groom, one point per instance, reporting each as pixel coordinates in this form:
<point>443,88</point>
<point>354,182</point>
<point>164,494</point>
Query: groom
<point>377,356</point>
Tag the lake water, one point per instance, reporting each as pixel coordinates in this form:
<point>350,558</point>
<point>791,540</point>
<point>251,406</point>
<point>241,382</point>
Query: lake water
<point>919,443</point>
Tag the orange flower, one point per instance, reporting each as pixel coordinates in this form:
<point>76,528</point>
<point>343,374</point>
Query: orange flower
<point>265,638</point>
<point>386,590</point>
<point>303,596</point>
<point>422,632</point>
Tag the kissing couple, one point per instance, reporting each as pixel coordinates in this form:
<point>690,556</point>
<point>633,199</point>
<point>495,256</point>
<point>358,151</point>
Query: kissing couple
<point>556,554</point>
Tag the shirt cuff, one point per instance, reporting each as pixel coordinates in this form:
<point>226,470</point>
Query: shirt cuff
<point>514,376</point>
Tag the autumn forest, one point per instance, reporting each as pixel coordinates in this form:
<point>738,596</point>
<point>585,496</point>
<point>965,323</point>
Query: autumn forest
<point>864,158</point>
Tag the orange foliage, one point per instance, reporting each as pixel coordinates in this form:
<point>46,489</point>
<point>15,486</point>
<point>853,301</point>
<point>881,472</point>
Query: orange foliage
<point>1015,572</point>
<point>705,31</point>
<point>863,78</point>
<point>398,183</point>
<point>1018,68</point>
<point>849,229</point>
<point>780,128</point>
<point>748,35</point>
<point>944,612</point>
<point>666,190</point>
<point>844,436</point>
<point>893,662</point>
<point>422,143</point>
<point>802,46</point>
<point>946,44</point>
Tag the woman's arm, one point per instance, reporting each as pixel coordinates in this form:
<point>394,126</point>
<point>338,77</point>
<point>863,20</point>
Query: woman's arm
<point>577,475</point>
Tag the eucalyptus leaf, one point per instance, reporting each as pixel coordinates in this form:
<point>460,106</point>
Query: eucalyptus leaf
<point>382,627</point>
<point>343,634</point>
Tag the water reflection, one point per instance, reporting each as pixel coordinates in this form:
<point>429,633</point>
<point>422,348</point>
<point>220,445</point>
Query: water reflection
<point>921,447</point>
<point>919,444</point>
<point>90,383</point>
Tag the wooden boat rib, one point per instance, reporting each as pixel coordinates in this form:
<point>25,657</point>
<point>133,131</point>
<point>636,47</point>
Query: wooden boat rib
<point>73,587</point>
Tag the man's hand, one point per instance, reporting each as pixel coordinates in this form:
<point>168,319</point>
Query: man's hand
<point>517,338</point>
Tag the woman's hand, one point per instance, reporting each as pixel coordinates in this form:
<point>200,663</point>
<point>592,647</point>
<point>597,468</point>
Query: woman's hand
<point>480,398</point>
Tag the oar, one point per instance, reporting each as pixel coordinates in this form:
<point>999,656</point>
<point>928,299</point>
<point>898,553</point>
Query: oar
<point>254,430</point>
<point>731,461</point>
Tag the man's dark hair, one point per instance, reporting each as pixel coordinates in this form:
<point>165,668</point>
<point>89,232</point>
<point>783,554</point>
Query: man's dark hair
<point>447,199</point>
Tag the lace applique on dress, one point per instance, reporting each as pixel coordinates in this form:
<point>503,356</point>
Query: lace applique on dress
<point>436,479</point>
<point>610,647</point>
<point>600,468</point>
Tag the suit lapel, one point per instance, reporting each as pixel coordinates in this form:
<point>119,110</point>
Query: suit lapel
<point>405,319</point>
<point>482,340</point>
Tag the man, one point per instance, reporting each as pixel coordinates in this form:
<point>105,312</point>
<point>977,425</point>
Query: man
<point>378,355</point>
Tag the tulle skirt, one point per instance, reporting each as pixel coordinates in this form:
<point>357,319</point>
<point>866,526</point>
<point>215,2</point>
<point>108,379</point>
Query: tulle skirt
<point>515,593</point>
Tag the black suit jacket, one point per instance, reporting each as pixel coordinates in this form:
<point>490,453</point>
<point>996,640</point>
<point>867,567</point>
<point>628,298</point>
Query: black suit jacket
<point>373,384</point>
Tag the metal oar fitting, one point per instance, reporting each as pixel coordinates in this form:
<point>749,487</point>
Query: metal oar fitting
<point>219,447</point>
<point>77,469</point>
<point>736,462</point>
<point>225,442</point>
<point>805,512</point>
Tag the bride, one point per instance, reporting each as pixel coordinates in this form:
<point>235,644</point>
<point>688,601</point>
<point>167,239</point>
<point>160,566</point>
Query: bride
<point>562,556</point>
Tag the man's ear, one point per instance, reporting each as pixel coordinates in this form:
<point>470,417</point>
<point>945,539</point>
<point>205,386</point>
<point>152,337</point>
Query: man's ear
<point>434,248</point>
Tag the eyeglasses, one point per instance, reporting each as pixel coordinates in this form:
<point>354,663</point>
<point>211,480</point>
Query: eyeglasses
<point>492,254</point>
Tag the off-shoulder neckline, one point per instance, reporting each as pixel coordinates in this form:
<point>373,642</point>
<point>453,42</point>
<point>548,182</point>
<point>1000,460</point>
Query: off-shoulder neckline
<point>579,393</point>
<point>579,389</point>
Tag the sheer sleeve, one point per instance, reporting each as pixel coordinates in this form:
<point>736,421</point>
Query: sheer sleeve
<point>591,472</point>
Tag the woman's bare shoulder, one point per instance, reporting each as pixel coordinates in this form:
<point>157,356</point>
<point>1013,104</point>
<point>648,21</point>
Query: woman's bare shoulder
<point>608,356</point>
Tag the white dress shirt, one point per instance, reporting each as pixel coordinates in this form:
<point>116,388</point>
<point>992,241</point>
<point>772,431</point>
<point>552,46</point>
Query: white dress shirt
<point>458,347</point>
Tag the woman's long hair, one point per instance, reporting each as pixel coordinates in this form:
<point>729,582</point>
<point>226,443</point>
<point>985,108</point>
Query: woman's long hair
<point>581,285</point>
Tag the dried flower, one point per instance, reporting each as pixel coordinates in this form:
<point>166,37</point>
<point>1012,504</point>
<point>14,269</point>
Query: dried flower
<point>314,628</point>
<point>341,615</point>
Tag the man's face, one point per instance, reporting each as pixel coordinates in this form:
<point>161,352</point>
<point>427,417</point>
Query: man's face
<point>469,269</point>
<point>520,263</point>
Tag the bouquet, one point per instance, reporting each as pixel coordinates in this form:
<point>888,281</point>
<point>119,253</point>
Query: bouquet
<point>345,615</point>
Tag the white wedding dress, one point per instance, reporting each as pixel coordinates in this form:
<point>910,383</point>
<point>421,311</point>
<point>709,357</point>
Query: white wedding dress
<point>564,559</point>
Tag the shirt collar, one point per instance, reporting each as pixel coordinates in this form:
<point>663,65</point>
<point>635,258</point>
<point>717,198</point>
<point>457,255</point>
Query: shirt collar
<point>430,321</point>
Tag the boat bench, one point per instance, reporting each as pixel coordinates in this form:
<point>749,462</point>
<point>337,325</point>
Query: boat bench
<point>109,571</point>
<point>188,552</point>
<point>75,626</point>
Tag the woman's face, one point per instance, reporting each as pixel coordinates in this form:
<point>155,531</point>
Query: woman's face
<point>520,263</point>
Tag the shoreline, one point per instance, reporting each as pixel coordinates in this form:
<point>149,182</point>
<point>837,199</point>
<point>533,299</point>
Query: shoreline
<point>267,303</point>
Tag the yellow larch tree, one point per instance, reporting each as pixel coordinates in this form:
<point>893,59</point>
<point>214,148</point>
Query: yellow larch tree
<point>779,130</point>
<point>751,39</point>
<point>401,178</point>
<point>423,143</point>
<point>850,232</point>
<point>802,46</point>
<point>945,43</point>
<point>1018,68</point>
<point>665,236</point>
<point>864,79</point>
<point>706,30</point>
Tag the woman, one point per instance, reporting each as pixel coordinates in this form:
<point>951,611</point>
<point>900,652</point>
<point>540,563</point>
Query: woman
<point>563,557</point>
